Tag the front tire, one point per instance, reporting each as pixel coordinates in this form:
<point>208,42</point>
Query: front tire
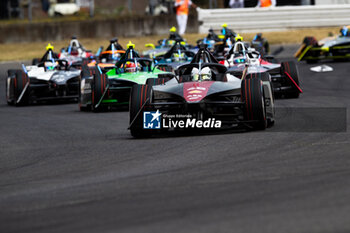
<point>139,97</point>
<point>15,87</point>
<point>253,96</point>
<point>84,75</point>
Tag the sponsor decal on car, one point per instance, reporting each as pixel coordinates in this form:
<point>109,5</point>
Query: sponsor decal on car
<point>157,120</point>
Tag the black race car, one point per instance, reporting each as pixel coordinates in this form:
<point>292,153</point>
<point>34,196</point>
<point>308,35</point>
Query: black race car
<point>260,44</point>
<point>202,96</point>
<point>176,56</point>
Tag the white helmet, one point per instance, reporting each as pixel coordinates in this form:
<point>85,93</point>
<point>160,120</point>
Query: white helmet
<point>206,74</point>
<point>195,74</point>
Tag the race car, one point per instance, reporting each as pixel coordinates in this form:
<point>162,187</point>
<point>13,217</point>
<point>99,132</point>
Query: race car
<point>260,44</point>
<point>284,76</point>
<point>210,40</point>
<point>102,89</point>
<point>334,48</point>
<point>51,79</point>
<point>110,56</point>
<point>174,57</point>
<point>75,53</point>
<point>165,44</point>
<point>226,41</point>
<point>202,96</point>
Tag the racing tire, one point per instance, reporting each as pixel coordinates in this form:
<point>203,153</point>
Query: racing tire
<point>19,80</point>
<point>156,81</point>
<point>253,96</point>
<point>291,68</point>
<point>85,73</point>
<point>139,96</point>
<point>99,85</point>
<point>165,68</point>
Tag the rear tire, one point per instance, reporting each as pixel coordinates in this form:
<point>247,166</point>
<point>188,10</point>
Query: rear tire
<point>138,96</point>
<point>253,96</point>
<point>99,85</point>
<point>291,68</point>
<point>85,73</point>
<point>156,81</point>
<point>10,87</point>
<point>17,85</point>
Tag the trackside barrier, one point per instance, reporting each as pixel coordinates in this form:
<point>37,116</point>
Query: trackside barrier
<point>274,19</point>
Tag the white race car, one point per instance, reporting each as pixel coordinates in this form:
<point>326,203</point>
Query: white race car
<point>50,79</point>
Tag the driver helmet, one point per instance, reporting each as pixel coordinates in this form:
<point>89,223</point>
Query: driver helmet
<point>50,65</point>
<point>171,42</point>
<point>130,67</point>
<point>239,60</point>
<point>178,56</point>
<point>195,74</point>
<point>205,74</point>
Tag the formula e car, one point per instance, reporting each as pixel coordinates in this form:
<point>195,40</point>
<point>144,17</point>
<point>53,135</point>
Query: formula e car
<point>51,79</point>
<point>226,40</point>
<point>174,57</point>
<point>110,56</point>
<point>210,40</point>
<point>334,48</point>
<point>75,53</point>
<point>202,96</point>
<point>260,44</point>
<point>106,88</point>
<point>284,76</point>
<point>165,44</point>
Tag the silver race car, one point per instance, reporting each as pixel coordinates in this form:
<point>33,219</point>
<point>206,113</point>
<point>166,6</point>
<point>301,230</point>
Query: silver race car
<point>51,79</point>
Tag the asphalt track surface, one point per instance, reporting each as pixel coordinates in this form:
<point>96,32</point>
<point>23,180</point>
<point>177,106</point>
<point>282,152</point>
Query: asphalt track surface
<point>62,170</point>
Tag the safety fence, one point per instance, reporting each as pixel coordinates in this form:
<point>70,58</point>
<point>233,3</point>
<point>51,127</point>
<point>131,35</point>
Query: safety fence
<point>274,19</point>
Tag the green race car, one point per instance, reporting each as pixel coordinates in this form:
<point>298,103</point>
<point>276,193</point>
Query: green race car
<point>105,88</point>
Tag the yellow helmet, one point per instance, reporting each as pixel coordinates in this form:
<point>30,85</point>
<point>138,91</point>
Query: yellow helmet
<point>224,25</point>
